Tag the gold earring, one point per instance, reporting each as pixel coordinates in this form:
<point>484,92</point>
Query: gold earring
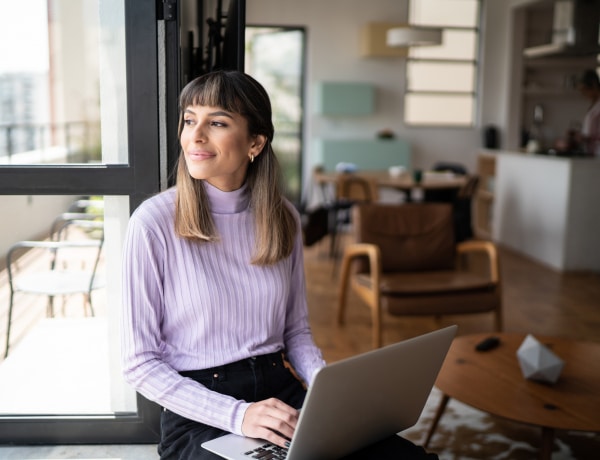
<point>251,158</point>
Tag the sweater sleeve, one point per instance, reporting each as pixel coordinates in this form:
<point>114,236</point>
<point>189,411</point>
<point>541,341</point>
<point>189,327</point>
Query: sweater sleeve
<point>304,355</point>
<point>143,366</point>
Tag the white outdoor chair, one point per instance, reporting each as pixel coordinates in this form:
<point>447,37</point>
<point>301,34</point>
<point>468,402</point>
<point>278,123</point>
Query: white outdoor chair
<point>71,267</point>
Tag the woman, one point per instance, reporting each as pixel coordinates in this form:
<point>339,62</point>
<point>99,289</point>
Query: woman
<point>214,288</point>
<point>589,86</point>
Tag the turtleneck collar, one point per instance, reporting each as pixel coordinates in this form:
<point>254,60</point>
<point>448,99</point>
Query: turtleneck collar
<point>227,202</point>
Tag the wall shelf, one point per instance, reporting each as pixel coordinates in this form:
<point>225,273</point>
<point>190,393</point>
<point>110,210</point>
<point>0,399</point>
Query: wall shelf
<point>344,98</point>
<point>373,40</point>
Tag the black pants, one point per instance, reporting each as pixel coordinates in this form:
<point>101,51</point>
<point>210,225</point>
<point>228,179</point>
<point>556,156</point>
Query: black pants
<point>253,379</point>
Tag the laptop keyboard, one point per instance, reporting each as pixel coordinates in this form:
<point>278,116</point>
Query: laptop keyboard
<point>267,452</point>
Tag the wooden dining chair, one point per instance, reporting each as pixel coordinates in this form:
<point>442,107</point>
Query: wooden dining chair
<point>350,190</point>
<point>445,195</point>
<point>463,209</point>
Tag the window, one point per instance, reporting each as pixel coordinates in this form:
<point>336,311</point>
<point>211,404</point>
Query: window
<point>49,83</point>
<point>77,119</point>
<point>441,86</point>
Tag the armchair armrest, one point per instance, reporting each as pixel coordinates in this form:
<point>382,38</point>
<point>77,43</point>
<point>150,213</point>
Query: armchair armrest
<point>372,251</point>
<point>488,248</point>
<point>373,254</point>
<point>351,252</point>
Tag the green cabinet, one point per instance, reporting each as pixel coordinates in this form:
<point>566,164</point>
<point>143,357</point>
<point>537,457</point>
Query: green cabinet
<point>366,154</point>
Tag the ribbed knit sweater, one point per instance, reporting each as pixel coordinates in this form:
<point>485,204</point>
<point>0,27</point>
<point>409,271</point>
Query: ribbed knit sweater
<point>196,305</point>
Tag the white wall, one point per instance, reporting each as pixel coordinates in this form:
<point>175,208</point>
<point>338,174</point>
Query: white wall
<point>29,217</point>
<point>333,31</point>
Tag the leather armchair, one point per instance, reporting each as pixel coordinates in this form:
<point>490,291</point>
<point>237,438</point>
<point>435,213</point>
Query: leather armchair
<point>405,261</point>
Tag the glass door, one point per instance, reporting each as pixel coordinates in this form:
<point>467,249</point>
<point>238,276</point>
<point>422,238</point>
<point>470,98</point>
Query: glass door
<point>79,144</point>
<point>275,57</point>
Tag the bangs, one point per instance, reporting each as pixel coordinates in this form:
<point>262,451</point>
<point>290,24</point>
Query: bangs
<point>212,90</point>
<point>234,92</point>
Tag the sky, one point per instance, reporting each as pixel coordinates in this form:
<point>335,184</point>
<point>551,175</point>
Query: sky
<point>23,36</point>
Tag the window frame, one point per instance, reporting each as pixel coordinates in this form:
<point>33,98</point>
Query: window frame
<point>295,198</point>
<point>474,93</point>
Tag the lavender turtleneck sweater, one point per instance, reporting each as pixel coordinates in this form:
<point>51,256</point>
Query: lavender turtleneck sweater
<point>189,305</point>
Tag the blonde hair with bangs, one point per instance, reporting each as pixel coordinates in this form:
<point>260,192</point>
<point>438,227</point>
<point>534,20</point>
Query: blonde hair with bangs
<point>275,224</point>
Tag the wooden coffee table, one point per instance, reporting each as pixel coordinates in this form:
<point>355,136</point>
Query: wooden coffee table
<point>492,381</point>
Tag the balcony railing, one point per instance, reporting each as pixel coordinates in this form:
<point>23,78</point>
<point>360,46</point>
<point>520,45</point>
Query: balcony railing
<point>44,143</point>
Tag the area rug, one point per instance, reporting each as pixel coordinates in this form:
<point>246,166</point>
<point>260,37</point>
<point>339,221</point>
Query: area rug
<point>465,433</point>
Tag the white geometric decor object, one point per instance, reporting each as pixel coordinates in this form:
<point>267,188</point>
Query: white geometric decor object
<point>538,362</point>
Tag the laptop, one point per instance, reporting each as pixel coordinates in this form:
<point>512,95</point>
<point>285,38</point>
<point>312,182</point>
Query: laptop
<point>356,402</point>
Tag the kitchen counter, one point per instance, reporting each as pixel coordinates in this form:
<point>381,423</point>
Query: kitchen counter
<point>549,209</point>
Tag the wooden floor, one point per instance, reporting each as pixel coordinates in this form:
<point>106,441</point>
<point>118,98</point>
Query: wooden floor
<point>536,300</point>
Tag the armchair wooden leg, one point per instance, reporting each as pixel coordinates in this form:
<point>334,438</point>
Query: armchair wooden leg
<point>341,306</point>
<point>498,319</point>
<point>376,325</point>
<point>343,290</point>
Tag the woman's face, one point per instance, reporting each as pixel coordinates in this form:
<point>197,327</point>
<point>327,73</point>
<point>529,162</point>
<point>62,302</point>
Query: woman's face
<point>217,146</point>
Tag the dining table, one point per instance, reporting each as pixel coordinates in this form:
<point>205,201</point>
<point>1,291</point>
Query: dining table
<point>405,181</point>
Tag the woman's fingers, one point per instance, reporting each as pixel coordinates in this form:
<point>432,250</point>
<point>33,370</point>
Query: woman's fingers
<point>272,420</point>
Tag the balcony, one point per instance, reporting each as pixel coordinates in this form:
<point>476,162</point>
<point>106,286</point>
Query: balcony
<point>65,345</point>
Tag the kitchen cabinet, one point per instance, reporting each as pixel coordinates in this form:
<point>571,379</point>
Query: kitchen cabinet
<point>549,82</point>
<point>344,98</point>
<point>547,208</point>
<point>366,154</point>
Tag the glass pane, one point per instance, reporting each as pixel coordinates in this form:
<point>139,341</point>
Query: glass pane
<point>274,57</point>
<point>436,76</point>
<point>53,74</point>
<point>424,109</point>
<point>456,44</point>
<point>449,13</point>
<point>63,355</point>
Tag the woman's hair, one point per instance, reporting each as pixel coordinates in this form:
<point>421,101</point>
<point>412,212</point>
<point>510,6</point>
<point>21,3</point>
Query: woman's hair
<point>589,79</point>
<point>275,224</point>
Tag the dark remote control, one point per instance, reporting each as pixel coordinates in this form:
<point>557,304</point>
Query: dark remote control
<point>488,344</point>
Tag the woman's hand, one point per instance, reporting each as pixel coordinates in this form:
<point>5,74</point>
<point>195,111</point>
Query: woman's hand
<point>272,420</point>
